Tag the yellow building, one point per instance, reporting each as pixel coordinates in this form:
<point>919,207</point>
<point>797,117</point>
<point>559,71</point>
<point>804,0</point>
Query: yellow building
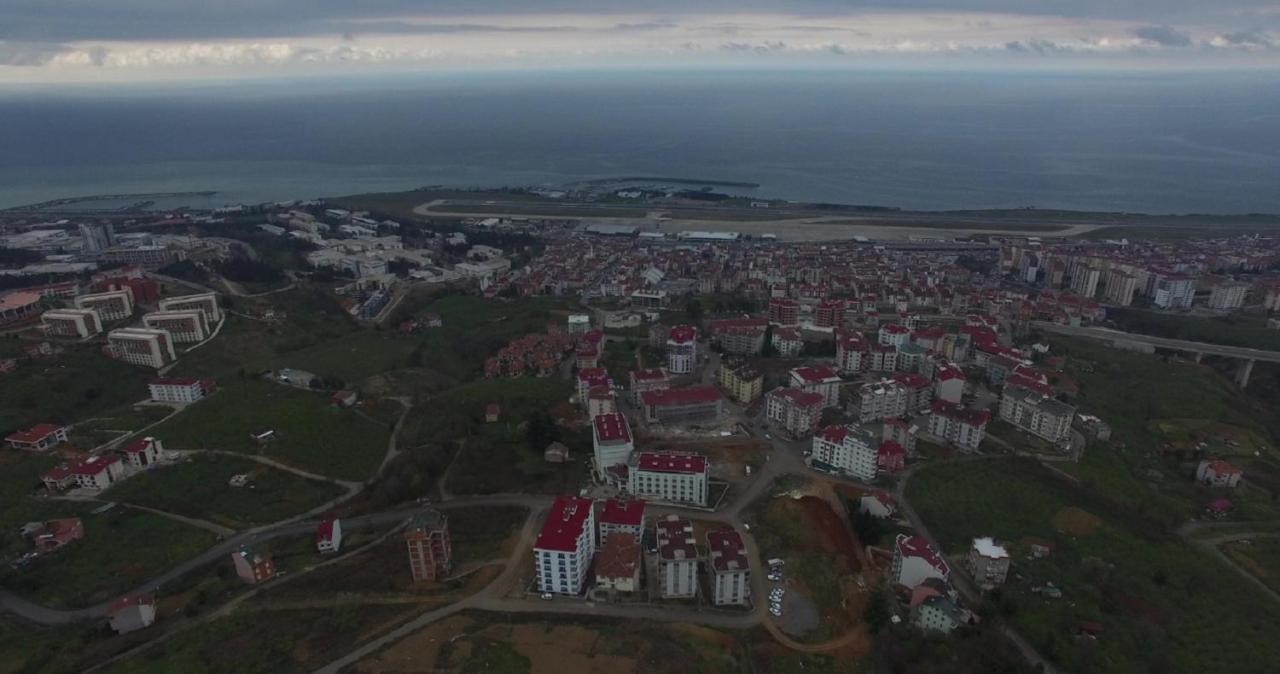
<point>741,382</point>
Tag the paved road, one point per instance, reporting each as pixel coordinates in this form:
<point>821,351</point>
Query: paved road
<point>1240,352</point>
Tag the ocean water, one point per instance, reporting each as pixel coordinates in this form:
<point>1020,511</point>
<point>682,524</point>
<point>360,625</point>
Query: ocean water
<point>1163,143</point>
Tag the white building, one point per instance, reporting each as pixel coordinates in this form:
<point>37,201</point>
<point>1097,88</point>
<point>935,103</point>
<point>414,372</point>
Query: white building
<point>611,441</point>
<point>987,563</point>
<point>787,341</point>
<point>948,383</point>
<point>818,379</point>
<point>892,334</point>
<point>961,427</point>
<point>144,452</point>
<point>849,449</point>
<point>914,560</point>
<point>674,478</point>
<point>141,346</point>
<point>564,548</point>
<point>677,558</point>
<point>578,323</point>
<point>113,305</point>
<point>795,410</point>
<point>730,568</point>
<point>1174,292</point>
<point>329,536</point>
<point>180,391</point>
<point>79,323</point>
<point>1037,413</point>
<point>624,517</point>
<point>1218,473</point>
<point>936,613</point>
<point>886,399</point>
<point>98,472</point>
<point>186,326</point>
<point>1228,296</point>
<point>682,349</point>
<point>205,302</point>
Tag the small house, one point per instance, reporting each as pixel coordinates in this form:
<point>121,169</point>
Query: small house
<point>329,536</point>
<point>144,452</point>
<point>344,398</point>
<point>1218,473</point>
<point>556,452</point>
<point>51,535</point>
<point>252,566</point>
<point>132,613</point>
<point>491,413</point>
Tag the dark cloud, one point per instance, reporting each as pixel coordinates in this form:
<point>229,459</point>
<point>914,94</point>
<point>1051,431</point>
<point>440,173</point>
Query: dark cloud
<point>1164,36</point>
<point>1247,38</point>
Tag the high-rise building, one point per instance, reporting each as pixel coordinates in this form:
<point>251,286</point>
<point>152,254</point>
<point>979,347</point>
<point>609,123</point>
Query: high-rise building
<point>97,237</point>
<point>430,549</point>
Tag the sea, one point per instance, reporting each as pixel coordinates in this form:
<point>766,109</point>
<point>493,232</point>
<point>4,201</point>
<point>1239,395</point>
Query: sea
<point>1101,141</point>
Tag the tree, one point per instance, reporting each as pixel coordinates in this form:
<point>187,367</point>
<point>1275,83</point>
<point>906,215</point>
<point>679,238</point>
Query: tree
<point>694,309</point>
<point>541,431</point>
<point>877,612</point>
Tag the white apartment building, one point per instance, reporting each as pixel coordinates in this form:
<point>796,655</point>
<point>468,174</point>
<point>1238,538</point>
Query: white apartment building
<point>851,353</point>
<point>795,410</point>
<point>1174,292</point>
<point>79,323</point>
<point>674,478</point>
<point>113,305</point>
<point>179,391</point>
<point>563,550</point>
<point>886,399</point>
<point>987,563</point>
<point>850,449</point>
<point>185,326</point>
<point>1119,288</point>
<point>677,558</point>
<point>1228,296</point>
<point>682,349</point>
<point>141,346</point>
<point>730,568</point>
<point>818,379</point>
<point>1036,413</point>
<point>623,517</point>
<point>206,302</point>
<point>611,441</point>
<point>892,334</point>
<point>961,427</point>
<point>915,560</point>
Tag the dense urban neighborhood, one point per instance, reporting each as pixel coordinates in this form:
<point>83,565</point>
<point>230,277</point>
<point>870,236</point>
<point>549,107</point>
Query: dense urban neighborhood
<point>373,434</point>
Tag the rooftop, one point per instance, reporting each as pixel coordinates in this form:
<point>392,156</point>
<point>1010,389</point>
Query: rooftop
<point>565,524</point>
<point>986,546</point>
<point>34,434</point>
<point>622,512</point>
<point>612,427</point>
<point>688,464</point>
<point>917,546</point>
<point>727,550</point>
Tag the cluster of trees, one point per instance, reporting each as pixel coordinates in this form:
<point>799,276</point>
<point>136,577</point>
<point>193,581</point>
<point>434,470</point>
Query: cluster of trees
<point>244,270</point>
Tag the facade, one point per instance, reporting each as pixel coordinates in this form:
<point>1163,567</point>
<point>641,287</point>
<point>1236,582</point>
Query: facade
<point>892,334</point>
<point>677,558</point>
<point>611,441</point>
<point>253,567</point>
<point>948,383</point>
<point>114,305</point>
<point>818,379</point>
<point>565,546</point>
<point>1228,296</point>
<point>623,517</point>
<point>886,399</point>
<point>730,568</point>
<point>1119,288</point>
<point>784,311</point>
<point>743,383</point>
<point>849,449</point>
<point>739,336</point>
<point>648,380</point>
<point>588,379</point>
<point>987,563</point>
<point>682,349</point>
<point>74,323</point>
<point>1036,413</point>
<point>674,478</point>
<point>1218,473</point>
<point>915,560</point>
<point>1174,292</point>
<point>961,427</point>
<point>787,341</point>
<point>902,432</point>
<point>797,411</point>
<point>180,391</point>
<point>329,536</point>
<point>430,546</point>
<point>141,346</point>
<point>144,452</point>
<point>699,404</point>
<point>618,565</point>
<point>184,326</point>
<point>98,472</point>
<point>38,438</point>
<point>205,302</point>
<point>853,354</point>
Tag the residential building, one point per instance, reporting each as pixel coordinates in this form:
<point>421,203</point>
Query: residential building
<point>1119,288</point>
<point>621,516</point>
<point>19,307</point>
<point>730,568</point>
<point>565,546</point>
<point>141,346</point>
<point>253,567</point>
<point>915,559</point>
<point>611,441</point>
<point>851,450</point>
<point>1037,413</point>
<point>144,452</point>
<point>184,326</point>
<point>739,336</point>
<point>819,379</point>
<point>878,504</point>
<point>987,563</point>
<point>114,305</point>
<point>882,358</point>
<point>206,302</point>
<point>788,342</point>
<point>147,257</point>
<point>961,427</point>
<point>38,438</point>
<point>885,399</point>
<point>578,323</point>
<point>829,314</point>
<point>784,311</point>
<point>329,536</point>
<point>948,383</point>
<point>682,349</point>
<point>648,380</point>
<point>590,378</point>
<point>74,323</point>
<point>618,565</point>
<point>96,237</point>
<point>98,472</point>
<point>890,457</point>
<point>852,352</point>
<point>131,613</point>
<point>1174,292</point>
<point>53,534</point>
<point>694,405</point>
<point>674,478</point>
<point>742,382</point>
<point>181,391</point>
<point>919,391</point>
<point>430,546</point>
<point>892,334</point>
<point>1228,296</point>
<point>677,558</point>
<point>1218,473</point>
<point>902,432</point>
<point>936,613</point>
<point>795,410</point>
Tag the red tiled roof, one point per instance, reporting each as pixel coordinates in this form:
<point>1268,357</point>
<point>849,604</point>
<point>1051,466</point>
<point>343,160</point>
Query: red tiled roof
<point>612,428</point>
<point>167,381</point>
<point>324,532</point>
<point>815,373</point>
<point>681,396</point>
<point>137,446</point>
<point>917,546</point>
<point>950,372</point>
<point>125,602</point>
<point>833,434</point>
<point>656,374</point>
<point>727,550</point>
<point>894,329</point>
<point>1221,467</point>
<point>682,334</point>
<point>959,413</point>
<point>890,448</point>
<point>622,512</point>
<point>686,464</point>
<point>34,434</point>
<point>565,523</point>
<point>594,376</point>
<point>911,380</point>
<point>94,465</point>
<point>799,397</point>
<point>729,323</point>
<point>619,557</point>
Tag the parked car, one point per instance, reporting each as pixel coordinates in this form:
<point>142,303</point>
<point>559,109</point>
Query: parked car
<point>546,596</point>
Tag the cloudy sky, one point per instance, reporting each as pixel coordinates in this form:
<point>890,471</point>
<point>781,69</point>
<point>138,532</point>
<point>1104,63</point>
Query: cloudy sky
<point>137,40</point>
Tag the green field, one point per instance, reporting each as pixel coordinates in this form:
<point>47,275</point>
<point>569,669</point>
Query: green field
<point>121,549</point>
<point>1231,330</point>
<point>71,386</point>
<point>309,433</point>
<point>199,488</point>
<point>1259,556</point>
<point>1164,605</point>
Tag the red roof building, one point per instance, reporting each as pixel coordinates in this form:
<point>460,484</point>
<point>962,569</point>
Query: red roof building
<point>38,438</point>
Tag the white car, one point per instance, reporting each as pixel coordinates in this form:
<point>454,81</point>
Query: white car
<point>546,596</point>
